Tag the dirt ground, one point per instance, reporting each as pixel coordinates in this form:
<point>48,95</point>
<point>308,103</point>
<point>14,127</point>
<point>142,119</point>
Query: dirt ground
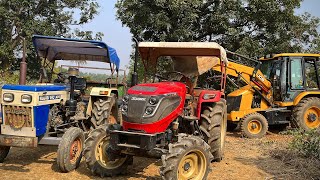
<point>244,159</point>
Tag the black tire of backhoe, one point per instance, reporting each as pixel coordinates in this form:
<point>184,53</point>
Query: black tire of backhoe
<point>170,161</point>
<point>212,120</point>
<point>299,110</point>
<point>4,151</point>
<point>89,153</point>
<point>101,111</point>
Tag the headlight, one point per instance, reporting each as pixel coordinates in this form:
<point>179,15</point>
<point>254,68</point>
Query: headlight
<point>26,98</point>
<point>124,108</point>
<point>149,110</point>
<point>104,92</point>
<point>153,100</point>
<point>126,98</point>
<point>8,97</point>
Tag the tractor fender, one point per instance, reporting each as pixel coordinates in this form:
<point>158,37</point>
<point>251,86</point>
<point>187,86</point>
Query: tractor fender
<point>207,96</point>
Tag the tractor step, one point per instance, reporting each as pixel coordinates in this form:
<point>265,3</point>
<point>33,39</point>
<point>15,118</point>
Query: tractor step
<point>283,122</point>
<point>50,141</point>
<point>278,115</point>
<point>190,118</point>
<point>281,109</point>
<point>129,146</point>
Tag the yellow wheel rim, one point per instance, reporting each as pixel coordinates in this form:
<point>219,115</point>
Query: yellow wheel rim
<point>311,117</point>
<point>102,157</point>
<point>192,166</point>
<point>254,126</point>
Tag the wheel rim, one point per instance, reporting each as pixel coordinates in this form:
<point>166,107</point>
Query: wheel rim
<point>254,126</point>
<point>311,117</point>
<point>102,157</point>
<point>192,166</point>
<point>75,150</point>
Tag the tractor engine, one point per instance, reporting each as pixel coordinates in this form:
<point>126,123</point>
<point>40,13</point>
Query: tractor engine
<point>150,108</point>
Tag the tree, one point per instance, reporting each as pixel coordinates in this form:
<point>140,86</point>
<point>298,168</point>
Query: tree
<point>22,18</point>
<point>250,27</point>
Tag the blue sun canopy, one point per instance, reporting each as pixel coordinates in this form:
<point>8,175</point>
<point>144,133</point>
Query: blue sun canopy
<point>56,48</point>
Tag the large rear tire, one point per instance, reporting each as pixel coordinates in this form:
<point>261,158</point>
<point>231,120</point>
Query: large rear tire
<point>4,151</point>
<point>306,115</point>
<point>70,149</point>
<point>96,155</point>
<point>214,127</point>
<point>188,158</point>
<point>254,125</point>
<point>101,111</point>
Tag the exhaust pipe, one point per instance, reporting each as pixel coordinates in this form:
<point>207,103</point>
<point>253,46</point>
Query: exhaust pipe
<point>134,78</point>
<point>23,65</point>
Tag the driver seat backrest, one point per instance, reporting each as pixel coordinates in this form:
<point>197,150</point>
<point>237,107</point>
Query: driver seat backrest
<point>80,84</point>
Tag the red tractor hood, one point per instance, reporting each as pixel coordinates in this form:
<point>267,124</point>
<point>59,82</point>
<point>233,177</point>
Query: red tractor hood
<point>171,96</point>
<point>158,88</point>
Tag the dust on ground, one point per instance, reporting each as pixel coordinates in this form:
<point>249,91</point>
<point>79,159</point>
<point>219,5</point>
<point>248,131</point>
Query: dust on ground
<point>244,159</point>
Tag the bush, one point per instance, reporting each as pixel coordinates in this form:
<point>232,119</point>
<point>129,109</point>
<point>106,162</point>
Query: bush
<point>10,78</point>
<point>306,143</point>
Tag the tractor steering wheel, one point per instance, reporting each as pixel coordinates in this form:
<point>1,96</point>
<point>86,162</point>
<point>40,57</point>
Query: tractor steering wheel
<point>183,79</point>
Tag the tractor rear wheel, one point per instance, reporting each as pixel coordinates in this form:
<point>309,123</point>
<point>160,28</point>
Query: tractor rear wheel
<point>254,125</point>
<point>4,151</point>
<point>96,156</point>
<point>214,126</point>
<point>70,149</point>
<point>101,111</point>
<point>306,114</point>
<point>188,158</point>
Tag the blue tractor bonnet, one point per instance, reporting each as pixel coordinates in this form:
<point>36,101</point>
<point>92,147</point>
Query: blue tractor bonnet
<point>56,48</point>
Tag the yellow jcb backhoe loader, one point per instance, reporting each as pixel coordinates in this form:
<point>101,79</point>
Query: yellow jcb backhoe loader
<point>282,89</point>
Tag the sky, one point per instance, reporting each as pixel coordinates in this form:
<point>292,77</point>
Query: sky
<point>119,37</point>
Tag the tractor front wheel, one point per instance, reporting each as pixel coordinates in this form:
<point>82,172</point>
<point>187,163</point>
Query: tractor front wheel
<point>96,156</point>
<point>306,114</point>
<point>254,125</point>
<point>188,158</point>
<point>70,149</point>
<point>4,151</point>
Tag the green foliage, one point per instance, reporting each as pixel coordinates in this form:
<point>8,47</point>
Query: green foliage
<point>306,143</point>
<point>10,78</point>
<point>22,18</point>
<point>250,27</point>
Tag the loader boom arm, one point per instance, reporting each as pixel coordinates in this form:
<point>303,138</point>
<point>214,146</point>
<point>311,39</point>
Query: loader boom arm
<point>249,74</point>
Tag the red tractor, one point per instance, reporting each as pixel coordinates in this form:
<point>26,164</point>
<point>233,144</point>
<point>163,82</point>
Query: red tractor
<point>181,118</point>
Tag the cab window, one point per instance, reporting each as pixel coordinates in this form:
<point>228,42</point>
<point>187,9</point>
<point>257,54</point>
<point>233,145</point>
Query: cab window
<point>311,74</point>
<point>266,68</point>
<point>296,74</point>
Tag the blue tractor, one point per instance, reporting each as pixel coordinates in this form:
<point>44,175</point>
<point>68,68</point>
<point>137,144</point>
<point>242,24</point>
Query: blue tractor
<point>55,112</point>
